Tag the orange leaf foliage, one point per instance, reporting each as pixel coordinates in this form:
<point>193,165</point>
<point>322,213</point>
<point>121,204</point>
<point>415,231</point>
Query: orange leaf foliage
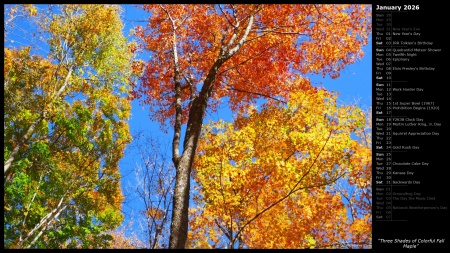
<point>281,40</point>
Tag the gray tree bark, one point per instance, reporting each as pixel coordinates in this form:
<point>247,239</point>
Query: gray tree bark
<point>183,163</point>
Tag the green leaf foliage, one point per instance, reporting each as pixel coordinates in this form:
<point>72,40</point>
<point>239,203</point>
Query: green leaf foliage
<point>65,128</point>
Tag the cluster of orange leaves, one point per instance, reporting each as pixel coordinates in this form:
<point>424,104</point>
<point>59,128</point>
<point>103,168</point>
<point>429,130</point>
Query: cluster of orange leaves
<point>283,39</point>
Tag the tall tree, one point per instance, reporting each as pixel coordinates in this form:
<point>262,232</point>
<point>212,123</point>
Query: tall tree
<point>65,125</point>
<point>201,53</point>
<point>302,190</point>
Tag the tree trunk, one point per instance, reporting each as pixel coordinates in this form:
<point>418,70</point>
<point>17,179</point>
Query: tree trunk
<point>32,127</point>
<point>183,164</point>
<point>179,225</point>
<point>21,142</point>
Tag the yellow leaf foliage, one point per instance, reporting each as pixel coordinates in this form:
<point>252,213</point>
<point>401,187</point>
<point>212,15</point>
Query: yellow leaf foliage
<point>276,178</point>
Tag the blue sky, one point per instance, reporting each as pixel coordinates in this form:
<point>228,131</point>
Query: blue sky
<point>353,85</point>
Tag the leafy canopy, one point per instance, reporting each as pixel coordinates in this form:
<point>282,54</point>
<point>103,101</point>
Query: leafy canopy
<point>65,128</point>
<point>281,40</point>
<point>284,177</point>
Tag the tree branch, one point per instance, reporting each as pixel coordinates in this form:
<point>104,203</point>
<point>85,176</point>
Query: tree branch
<point>44,220</point>
<point>32,127</point>
<point>279,32</point>
<point>321,14</point>
<point>244,37</point>
<point>45,227</point>
<point>226,16</point>
<point>258,94</point>
<point>192,88</point>
<point>249,59</point>
<point>29,204</point>
<point>177,102</point>
<point>293,190</point>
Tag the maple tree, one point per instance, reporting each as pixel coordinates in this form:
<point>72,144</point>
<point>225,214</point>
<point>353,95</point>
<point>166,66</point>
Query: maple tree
<point>202,53</point>
<point>288,176</point>
<point>66,106</point>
